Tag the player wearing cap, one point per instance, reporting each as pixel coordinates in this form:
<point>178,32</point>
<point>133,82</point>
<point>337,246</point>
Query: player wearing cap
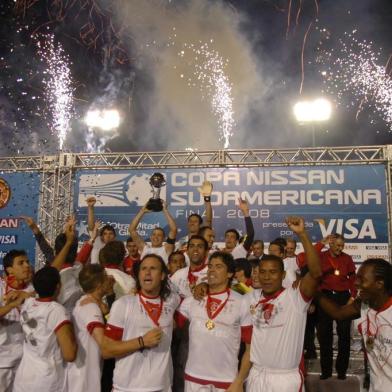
<point>279,319</point>
<point>139,331</point>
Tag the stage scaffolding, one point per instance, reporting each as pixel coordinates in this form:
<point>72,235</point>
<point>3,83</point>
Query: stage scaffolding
<point>58,171</point>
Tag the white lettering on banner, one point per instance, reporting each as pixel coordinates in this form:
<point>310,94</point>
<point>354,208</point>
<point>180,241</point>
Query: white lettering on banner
<point>295,177</point>
<point>285,197</point>
<point>8,239</point>
<point>196,179</point>
<point>267,177</point>
<point>9,223</point>
<point>350,228</point>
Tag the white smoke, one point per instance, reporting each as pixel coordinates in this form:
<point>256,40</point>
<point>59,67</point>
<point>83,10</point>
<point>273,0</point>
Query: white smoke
<point>175,44</point>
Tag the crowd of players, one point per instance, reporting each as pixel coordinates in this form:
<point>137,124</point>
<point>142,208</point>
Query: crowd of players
<point>183,315</point>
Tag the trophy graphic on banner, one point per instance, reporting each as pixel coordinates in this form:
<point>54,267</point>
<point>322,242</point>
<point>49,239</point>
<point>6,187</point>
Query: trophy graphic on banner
<point>157,181</point>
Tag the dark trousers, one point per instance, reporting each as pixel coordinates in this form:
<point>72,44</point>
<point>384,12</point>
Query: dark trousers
<point>179,350</point>
<point>325,336</point>
<point>310,332</point>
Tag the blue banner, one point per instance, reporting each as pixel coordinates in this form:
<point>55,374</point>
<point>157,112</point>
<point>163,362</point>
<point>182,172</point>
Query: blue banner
<point>19,193</point>
<point>349,199</point>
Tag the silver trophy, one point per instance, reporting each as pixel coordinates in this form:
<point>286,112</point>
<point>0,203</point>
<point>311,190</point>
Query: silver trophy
<point>157,181</point>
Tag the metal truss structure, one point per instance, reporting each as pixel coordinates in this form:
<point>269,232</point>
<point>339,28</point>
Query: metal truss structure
<point>58,171</point>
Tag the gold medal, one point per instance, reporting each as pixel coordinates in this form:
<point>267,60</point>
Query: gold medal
<point>370,343</point>
<point>252,309</point>
<point>210,325</point>
<point>337,272</point>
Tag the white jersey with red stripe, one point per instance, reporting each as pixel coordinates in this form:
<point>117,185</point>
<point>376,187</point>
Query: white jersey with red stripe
<point>84,374</point>
<point>376,330</point>
<point>160,251</point>
<point>147,370</point>
<point>213,351</point>
<point>11,334</point>
<point>42,367</point>
<point>278,329</point>
<point>180,280</point>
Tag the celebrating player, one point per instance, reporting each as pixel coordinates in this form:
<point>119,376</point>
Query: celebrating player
<point>139,331</point>
<point>374,306</point>
<point>279,319</point>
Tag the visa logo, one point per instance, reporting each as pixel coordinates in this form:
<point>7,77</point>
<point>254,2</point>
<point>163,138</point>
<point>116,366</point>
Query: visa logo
<point>350,228</point>
<point>8,239</point>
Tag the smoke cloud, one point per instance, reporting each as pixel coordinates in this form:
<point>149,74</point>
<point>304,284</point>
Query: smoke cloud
<point>177,45</point>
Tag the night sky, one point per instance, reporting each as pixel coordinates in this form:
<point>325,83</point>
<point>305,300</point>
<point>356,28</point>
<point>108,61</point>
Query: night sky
<point>180,72</point>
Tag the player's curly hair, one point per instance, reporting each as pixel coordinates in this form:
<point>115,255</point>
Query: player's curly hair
<point>382,271</point>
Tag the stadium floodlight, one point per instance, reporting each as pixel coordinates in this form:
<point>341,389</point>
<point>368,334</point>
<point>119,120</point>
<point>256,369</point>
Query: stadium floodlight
<point>313,111</point>
<point>107,119</point>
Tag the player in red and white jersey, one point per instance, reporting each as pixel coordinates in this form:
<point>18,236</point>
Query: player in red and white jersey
<point>374,307</point>
<point>215,329</point>
<point>279,319</point>
<point>84,374</point>
<point>232,237</point>
<point>48,338</point>
<point>14,289</point>
<point>139,331</point>
<point>185,279</point>
<point>157,237</point>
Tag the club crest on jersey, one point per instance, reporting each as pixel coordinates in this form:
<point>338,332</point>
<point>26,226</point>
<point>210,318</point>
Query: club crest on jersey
<point>268,311</point>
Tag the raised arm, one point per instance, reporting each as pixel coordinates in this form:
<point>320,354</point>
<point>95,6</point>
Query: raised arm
<point>310,281</point>
<point>250,232</point>
<point>345,312</point>
<point>60,258</point>
<point>206,190</point>
<point>171,238</point>
<point>43,244</point>
<point>133,228</point>
<point>90,212</point>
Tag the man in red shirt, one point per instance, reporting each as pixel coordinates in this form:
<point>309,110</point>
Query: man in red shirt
<point>132,257</point>
<point>338,285</point>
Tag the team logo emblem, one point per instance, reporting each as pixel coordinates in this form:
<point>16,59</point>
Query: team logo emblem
<point>267,311</point>
<point>5,193</point>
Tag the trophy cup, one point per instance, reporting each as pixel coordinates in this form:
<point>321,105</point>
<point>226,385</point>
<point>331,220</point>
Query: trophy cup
<point>157,181</point>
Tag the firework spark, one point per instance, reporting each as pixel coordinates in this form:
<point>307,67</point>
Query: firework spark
<point>354,70</point>
<point>210,77</point>
<point>58,85</point>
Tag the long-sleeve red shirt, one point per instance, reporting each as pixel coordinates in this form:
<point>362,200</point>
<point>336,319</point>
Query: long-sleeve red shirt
<point>329,264</point>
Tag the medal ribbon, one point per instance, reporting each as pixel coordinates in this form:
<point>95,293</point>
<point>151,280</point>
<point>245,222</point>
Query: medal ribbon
<point>150,310</point>
<point>268,298</point>
<point>211,315</point>
<point>11,281</point>
<point>334,265</point>
<point>192,279</point>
